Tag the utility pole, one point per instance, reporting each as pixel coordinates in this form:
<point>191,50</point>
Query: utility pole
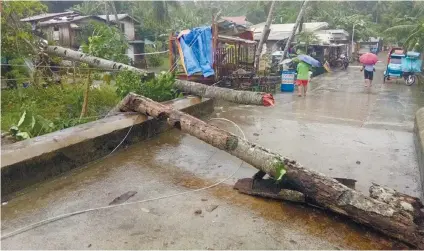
<point>115,13</point>
<point>265,34</point>
<point>107,13</point>
<point>296,25</point>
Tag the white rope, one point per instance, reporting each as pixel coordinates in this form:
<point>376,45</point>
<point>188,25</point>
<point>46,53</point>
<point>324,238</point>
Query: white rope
<point>149,53</point>
<point>63,216</point>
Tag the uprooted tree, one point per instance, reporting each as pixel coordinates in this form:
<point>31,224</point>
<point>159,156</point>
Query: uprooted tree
<point>392,213</point>
<point>242,97</point>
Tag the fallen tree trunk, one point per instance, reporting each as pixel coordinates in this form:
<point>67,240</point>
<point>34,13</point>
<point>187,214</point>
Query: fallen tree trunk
<point>327,192</point>
<point>242,97</point>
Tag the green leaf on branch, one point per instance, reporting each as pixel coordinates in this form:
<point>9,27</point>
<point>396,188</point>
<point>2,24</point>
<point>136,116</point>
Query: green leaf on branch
<point>280,170</point>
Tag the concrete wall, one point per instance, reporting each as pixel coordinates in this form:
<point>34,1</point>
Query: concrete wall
<point>30,161</point>
<point>419,143</point>
<point>129,29</point>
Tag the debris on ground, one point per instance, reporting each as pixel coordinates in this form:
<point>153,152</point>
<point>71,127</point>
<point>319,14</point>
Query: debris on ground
<point>145,210</point>
<point>198,211</point>
<point>210,208</point>
<point>122,198</point>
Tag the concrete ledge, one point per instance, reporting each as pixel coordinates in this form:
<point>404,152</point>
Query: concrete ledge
<point>30,161</point>
<point>419,143</point>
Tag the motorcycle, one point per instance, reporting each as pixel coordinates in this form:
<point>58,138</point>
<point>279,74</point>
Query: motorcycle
<point>345,61</point>
<point>342,62</point>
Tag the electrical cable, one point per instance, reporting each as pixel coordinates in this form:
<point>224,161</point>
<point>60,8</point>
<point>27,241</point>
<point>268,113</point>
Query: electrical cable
<point>63,216</point>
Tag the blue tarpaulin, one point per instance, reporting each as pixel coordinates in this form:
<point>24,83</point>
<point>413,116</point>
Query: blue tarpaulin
<point>197,50</point>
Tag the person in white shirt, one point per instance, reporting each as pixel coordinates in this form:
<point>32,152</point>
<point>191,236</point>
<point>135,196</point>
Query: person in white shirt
<point>368,73</point>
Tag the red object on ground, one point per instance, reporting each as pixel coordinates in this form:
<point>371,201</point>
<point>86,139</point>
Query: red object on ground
<point>268,100</point>
<point>368,58</point>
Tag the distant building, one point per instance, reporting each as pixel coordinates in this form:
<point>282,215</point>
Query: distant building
<point>64,27</point>
<point>372,44</point>
<point>281,32</point>
<point>335,36</point>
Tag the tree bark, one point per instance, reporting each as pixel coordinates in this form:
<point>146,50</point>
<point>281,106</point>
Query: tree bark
<point>384,216</point>
<point>265,34</point>
<point>296,25</point>
<point>243,97</point>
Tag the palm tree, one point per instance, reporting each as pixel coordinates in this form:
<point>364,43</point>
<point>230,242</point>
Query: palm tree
<point>306,38</point>
<point>411,35</point>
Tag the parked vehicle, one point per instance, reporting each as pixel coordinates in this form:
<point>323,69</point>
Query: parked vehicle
<point>404,66</point>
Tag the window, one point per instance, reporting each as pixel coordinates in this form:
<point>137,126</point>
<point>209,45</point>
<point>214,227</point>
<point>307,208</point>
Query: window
<point>56,33</point>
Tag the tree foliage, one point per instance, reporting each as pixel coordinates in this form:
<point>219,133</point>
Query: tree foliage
<point>107,42</point>
<point>17,39</point>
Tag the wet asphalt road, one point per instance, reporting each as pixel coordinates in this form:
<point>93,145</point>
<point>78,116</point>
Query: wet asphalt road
<point>338,125</point>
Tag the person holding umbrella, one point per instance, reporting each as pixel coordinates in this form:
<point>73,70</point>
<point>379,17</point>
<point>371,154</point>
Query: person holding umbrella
<point>368,61</point>
<point>303,69</point>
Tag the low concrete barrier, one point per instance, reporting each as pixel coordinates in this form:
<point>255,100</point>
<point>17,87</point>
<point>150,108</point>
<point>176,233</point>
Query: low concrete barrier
<point>419,143</point>
<point>30,161</point>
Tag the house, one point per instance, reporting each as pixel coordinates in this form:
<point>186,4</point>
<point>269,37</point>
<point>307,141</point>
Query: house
<point>64,28</point>
<point>281,32</point>
<point>374,44</point>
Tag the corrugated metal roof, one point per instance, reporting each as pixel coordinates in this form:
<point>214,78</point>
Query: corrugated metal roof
<point>241,20</point>
<point>283,31</point>
<point>64,20</point>
<point>46,16</point>
<point>120,17</point>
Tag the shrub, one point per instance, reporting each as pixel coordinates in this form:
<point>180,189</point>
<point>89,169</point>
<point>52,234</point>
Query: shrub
<point>153,60</point>
<point>53,108</point>
<point>159,88</point>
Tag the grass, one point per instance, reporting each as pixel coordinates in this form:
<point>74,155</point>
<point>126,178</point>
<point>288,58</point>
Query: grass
<point>61,106</point>
<point>37,111</point>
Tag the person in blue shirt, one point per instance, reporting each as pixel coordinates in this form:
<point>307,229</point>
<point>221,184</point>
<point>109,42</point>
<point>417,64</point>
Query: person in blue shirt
<point>369,70</point>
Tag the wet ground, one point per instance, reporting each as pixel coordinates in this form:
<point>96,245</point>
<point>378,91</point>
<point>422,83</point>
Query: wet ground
<point>341,129</point>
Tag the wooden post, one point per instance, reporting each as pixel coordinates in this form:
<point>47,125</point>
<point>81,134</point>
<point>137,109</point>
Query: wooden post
<point>171,52</point>
<point>264,37</point>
